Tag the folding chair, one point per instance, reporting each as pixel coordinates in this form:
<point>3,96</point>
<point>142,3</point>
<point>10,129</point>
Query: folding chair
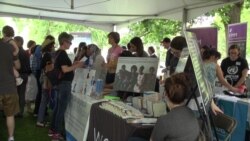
<point>226,123</point>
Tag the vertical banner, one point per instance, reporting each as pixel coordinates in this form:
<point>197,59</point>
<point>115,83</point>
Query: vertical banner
<point>237,34</point>
<point>206,36</point>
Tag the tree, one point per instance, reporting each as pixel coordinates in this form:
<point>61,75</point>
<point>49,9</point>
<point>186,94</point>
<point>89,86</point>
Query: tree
<point>153,30</point>
<point>231,13</point>
<point>38,29</point>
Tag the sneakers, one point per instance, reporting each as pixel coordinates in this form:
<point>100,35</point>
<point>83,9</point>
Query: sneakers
<point>19,81</point>
<point>11,139</point>
<point>42,124</point>
<point>57,136</point>
<point>51,132</point>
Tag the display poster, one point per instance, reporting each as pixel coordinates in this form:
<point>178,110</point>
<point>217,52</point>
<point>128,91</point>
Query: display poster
<point>136,74</point>
<point>237,34</point>
<point>83,82</point>
<point>206,36</point>
<point>182,61</point>
<point>203,85</point>
<point>76,117</point>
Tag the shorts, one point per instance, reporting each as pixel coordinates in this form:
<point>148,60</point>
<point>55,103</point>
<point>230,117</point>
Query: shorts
<point>10,104</point>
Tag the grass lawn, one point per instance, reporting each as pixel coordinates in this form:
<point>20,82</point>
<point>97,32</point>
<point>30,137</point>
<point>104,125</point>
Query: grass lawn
<point>26,129</point>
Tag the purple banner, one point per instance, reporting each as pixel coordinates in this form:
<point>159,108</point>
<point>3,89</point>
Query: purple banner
<point>206,36</point>
<point>237,34</point>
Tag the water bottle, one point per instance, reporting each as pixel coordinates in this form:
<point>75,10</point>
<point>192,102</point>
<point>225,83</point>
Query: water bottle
<point>99,87</point>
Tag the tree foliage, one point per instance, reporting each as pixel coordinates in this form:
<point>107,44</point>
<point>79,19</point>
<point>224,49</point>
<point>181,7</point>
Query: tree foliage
<point>153,30</point>
<point>37,29</point>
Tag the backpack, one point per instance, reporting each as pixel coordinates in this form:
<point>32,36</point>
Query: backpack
<point>53,73</point>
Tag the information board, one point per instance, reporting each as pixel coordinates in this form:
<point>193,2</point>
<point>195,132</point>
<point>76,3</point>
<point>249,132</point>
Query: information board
<point>203,85</point>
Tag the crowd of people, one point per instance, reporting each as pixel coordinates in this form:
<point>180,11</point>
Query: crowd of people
<point>18,64</point>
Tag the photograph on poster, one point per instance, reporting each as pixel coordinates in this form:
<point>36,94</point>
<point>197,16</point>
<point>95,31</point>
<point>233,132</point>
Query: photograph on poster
<point>136,74</point>
<point>83,81</point>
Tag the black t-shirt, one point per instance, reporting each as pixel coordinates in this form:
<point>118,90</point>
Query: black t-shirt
<point>232,70</point>
<point>7,79</point>
<point>24,61</point>
<point>180,124</point>
<point>63,60</point>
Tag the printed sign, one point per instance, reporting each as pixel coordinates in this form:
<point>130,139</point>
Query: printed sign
<point>204,87</point>
<point>203,38</point>
<point>83,82</point>
<point>237,34</point>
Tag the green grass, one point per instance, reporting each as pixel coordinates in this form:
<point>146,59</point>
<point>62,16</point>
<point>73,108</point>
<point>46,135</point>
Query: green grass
<point>26,129</point>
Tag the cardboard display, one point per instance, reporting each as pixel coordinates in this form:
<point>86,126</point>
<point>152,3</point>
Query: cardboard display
<point>136,74</point>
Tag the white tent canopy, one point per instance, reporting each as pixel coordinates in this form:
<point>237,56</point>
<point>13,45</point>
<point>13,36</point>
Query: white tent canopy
<point>105,14</point>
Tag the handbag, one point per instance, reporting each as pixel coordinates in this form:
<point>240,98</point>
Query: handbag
<point>54,74</point>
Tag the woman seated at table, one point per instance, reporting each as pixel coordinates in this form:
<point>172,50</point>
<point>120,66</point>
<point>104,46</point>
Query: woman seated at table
<point>180,124</point>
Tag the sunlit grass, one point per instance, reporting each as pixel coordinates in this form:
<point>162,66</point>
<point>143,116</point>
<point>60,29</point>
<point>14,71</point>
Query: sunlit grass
<point>26,129</point>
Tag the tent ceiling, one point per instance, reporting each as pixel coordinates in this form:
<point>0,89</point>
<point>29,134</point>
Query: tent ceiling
<point>105,14</point>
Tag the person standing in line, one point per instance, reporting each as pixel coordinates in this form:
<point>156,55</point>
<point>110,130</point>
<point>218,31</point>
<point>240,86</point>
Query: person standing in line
<point>36,70</point>
<point>47,89</point>
<point>30,45</point>
<point>112,57</point>
<point>151,52</point>
<point>8,90</point>
<point>63,63</point>
<point>166,44</point>
<point>234,67</point>
<point>24,72</point>
<point>8,34</point>
<point>137,48</point>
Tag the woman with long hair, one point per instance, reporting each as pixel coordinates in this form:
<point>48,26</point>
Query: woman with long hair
<point>136,46</point>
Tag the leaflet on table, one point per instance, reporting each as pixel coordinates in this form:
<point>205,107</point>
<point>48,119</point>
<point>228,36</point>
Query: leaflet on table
<point>121,109</point>
<point>136,74</point>
<point>83,82</point>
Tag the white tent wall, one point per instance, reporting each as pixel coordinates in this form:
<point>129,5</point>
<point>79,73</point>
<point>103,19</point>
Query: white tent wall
<point>105,14</point>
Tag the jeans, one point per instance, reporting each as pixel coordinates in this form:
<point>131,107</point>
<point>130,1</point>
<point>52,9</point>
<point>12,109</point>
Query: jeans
<point>39,94</point>
<point>63,98</point>
<point>21,92</point>
<point>46,95</point>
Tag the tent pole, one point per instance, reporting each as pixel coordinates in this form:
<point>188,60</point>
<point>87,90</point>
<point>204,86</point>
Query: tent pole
<point>72,4</point>
<point>114,28</point>
<point>184,20</point>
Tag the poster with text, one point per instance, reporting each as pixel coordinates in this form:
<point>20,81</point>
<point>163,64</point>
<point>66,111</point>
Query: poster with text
<point>203,85</point>
<point>237,35</point>
<point>206,36</point>
<point>76,117</point>
<point>83,82</point>
<point>136,74</point>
